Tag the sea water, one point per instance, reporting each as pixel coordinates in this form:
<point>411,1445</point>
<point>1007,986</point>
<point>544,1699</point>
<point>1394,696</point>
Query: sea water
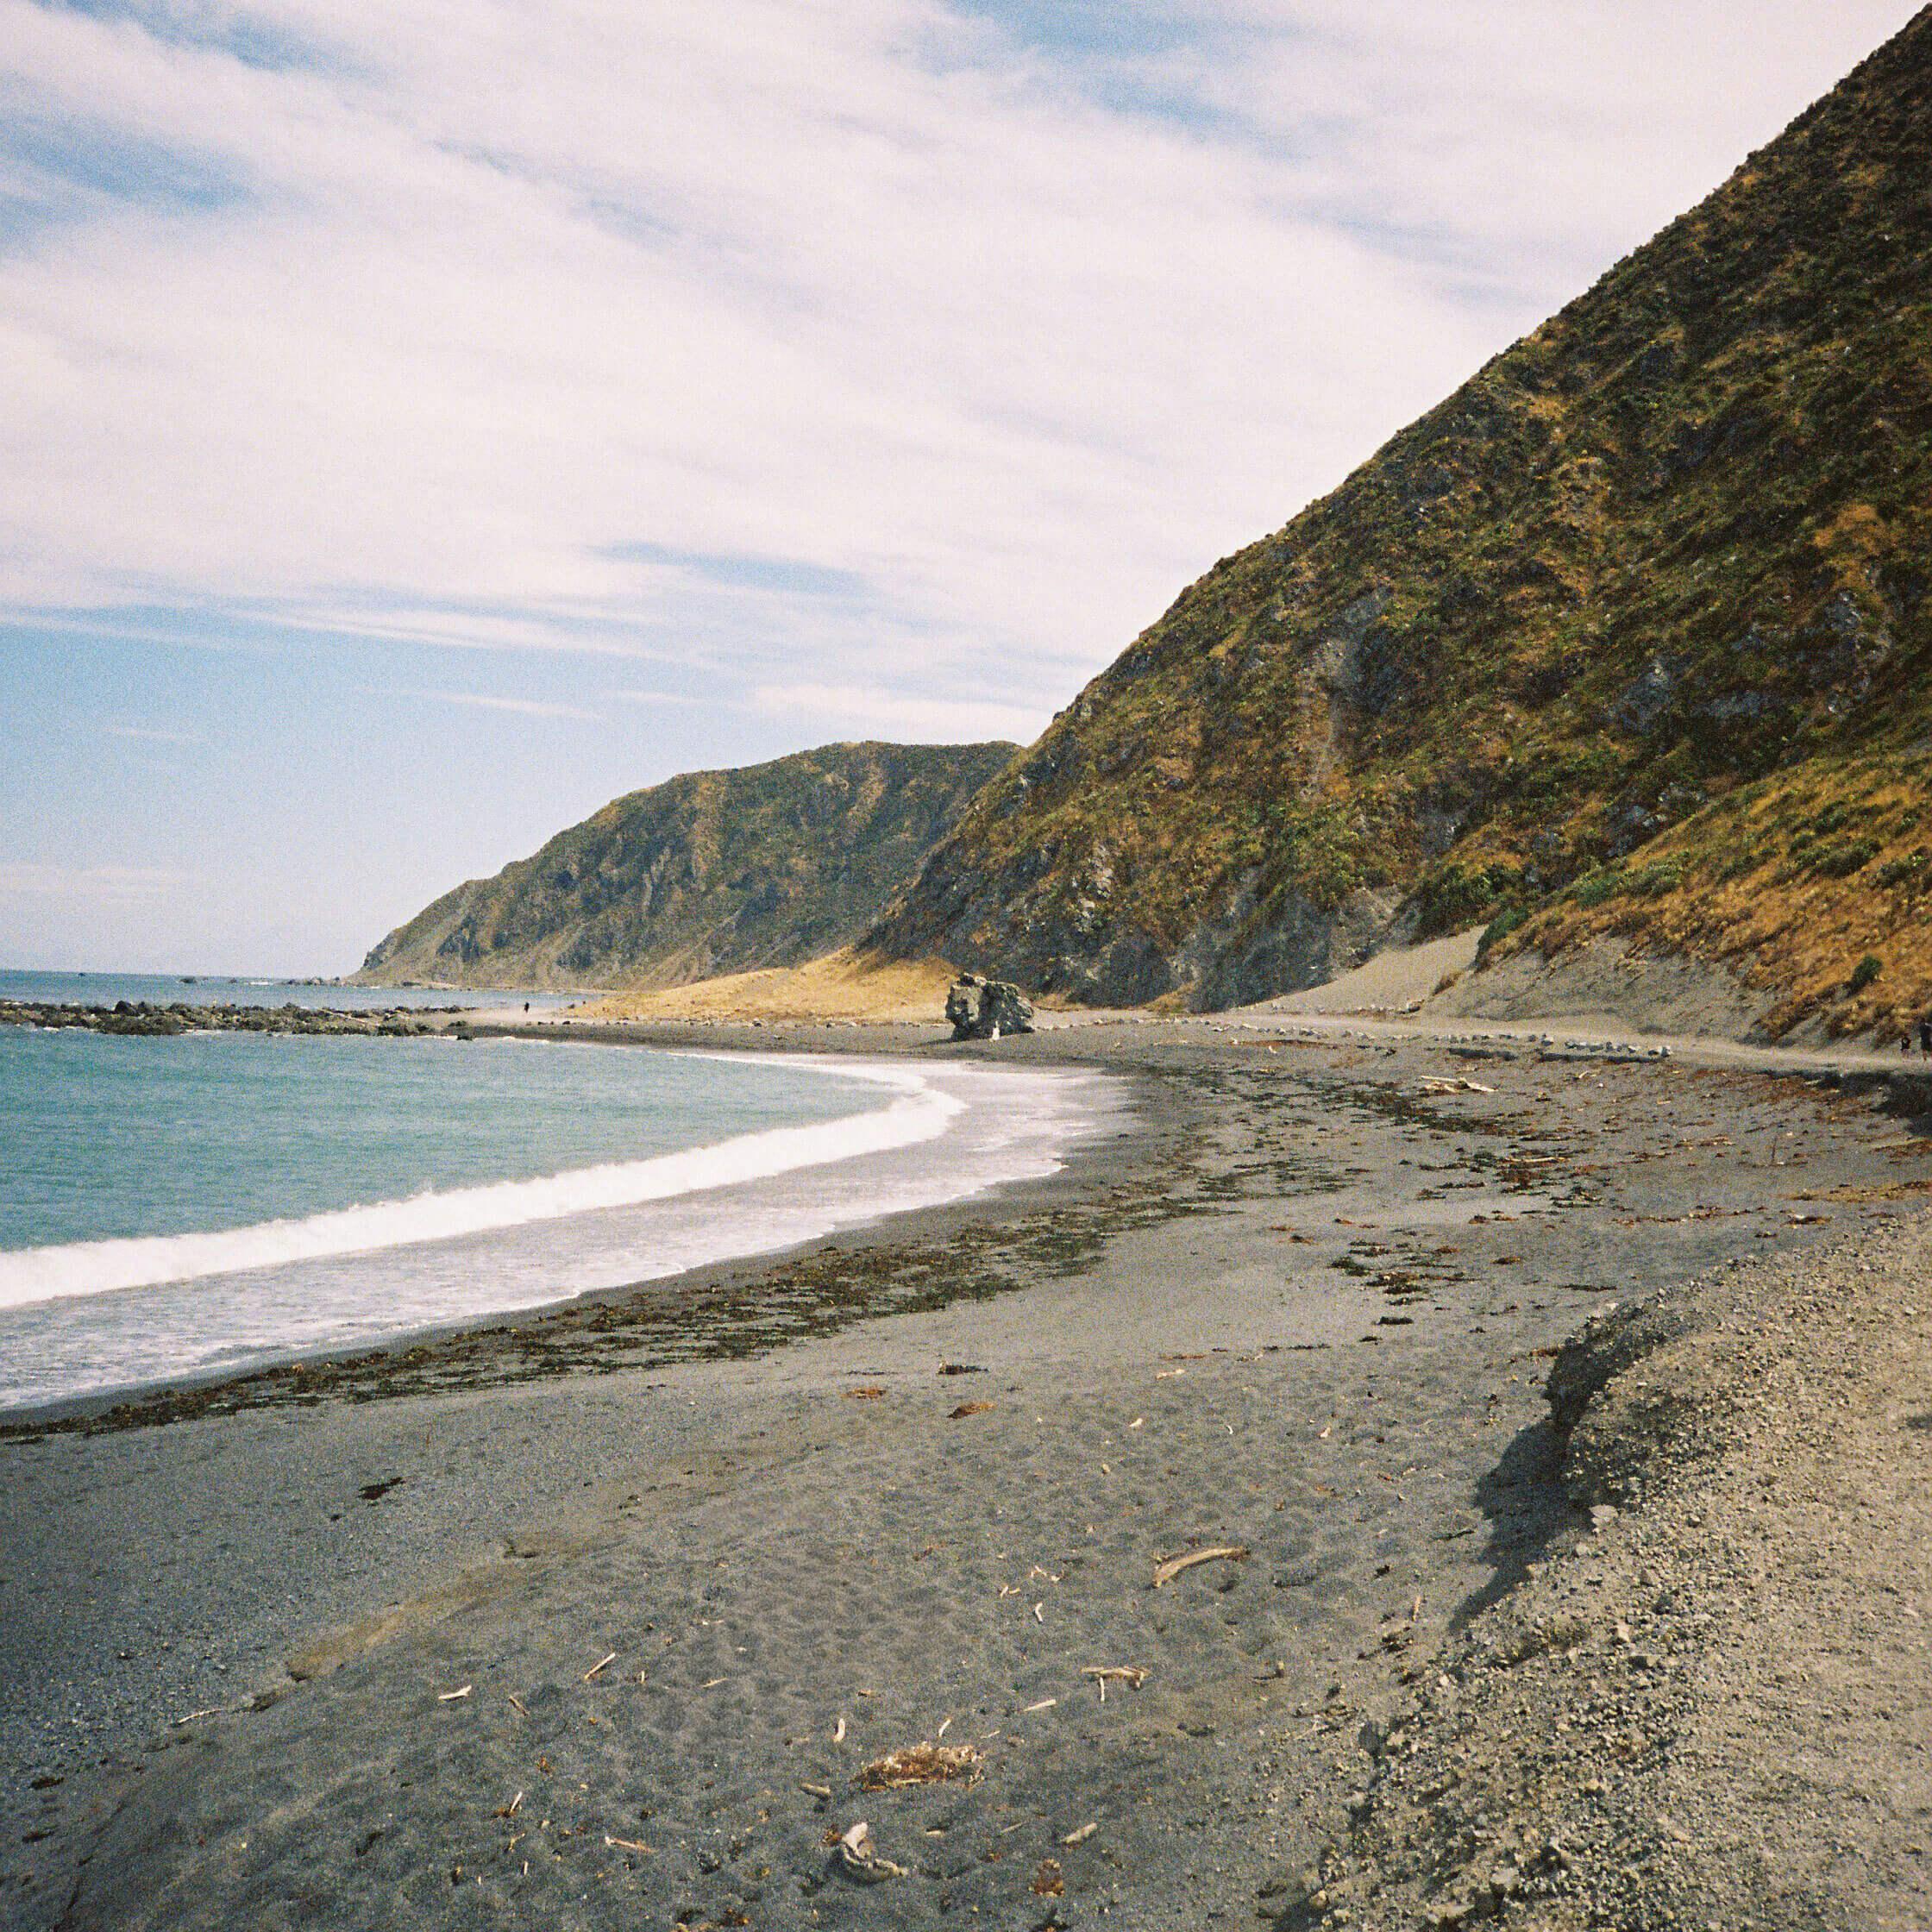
<point>202,1203</point>
<point>216,989</point>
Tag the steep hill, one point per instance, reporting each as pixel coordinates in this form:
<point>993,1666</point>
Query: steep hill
<point>712,872</point>
<point>1631,633</point>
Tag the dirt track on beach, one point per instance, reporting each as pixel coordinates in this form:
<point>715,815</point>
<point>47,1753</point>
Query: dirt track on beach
<point>1307,1314</point>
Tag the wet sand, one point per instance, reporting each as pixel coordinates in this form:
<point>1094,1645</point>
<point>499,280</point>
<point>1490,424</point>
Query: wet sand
<point>1306,1311</point>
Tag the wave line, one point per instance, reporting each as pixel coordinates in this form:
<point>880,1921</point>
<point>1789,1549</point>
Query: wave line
<point>918,1112</point>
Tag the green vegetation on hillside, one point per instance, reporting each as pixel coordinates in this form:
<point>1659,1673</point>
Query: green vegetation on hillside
<point>1630,633</point>
<point>709,873</point>
<point>1814,883</point>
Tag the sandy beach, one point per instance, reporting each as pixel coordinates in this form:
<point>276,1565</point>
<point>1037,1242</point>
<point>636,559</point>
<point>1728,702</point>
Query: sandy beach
<point>611,1614</point>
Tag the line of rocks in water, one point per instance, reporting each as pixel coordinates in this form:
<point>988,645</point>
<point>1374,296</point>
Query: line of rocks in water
<point>144,1017</point>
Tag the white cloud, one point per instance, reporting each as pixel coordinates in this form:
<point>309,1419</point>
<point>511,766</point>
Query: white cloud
<point>485,700</point>
<point>492,296</point>
<point>678,700</point>
<point>152,734</point>
<point>584,629</point>
<point>112,884</point>
<point>1527,142</point>
<point>852,710</point>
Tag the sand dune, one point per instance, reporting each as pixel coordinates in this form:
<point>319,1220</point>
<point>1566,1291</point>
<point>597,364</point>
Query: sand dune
<point>842,985</point>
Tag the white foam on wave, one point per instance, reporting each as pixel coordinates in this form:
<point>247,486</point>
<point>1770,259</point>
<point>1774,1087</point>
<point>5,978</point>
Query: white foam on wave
<point>918,1112</point>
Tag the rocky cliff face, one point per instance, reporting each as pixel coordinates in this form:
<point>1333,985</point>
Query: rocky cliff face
<point>1645,599</point>
<point>712,872</point>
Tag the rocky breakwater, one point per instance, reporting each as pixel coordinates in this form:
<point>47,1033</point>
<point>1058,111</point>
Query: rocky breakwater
<point>981,1009</point>
<point>144,1017</point>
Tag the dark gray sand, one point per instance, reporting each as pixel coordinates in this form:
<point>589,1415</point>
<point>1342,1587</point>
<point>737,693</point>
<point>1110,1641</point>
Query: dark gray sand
<point>598,1618</point>
<point>1713,1706</point>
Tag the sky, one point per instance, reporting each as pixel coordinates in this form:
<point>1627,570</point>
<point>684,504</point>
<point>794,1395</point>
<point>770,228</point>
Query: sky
<point>422,422</point>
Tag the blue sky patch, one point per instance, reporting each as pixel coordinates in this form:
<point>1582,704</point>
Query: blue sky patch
<point>1084,29</point>
<point>59,169</point>
<point>252,39</point>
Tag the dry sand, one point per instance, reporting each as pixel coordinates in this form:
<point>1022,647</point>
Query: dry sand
<point>1399,979</point>
<point>1653,992</point>
<point>1306,1311</point>
<point>842,986</point>
<point>1603,984</point>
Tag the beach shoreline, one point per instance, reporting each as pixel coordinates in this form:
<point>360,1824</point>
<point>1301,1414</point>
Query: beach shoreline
<point>1305,1310</point>
<point>326,1369</point>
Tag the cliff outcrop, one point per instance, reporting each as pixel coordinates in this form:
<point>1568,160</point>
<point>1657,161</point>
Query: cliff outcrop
<point>1630,634</point>
<point>710,872</point>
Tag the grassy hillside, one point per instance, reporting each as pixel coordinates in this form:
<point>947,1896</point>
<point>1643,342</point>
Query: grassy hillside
<point>1631,631</point>
<point>712,872</point>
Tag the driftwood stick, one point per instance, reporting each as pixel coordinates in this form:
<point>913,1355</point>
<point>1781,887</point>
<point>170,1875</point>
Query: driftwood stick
<point>1166,1571</point>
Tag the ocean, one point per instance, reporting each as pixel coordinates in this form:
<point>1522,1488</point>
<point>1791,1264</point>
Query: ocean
<point>215,989</point>
<point>182,1207</point>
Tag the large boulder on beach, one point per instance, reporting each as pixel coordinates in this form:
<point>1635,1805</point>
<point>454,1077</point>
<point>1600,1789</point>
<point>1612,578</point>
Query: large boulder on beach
<point>981,1009</point>
<point>962,1007</point>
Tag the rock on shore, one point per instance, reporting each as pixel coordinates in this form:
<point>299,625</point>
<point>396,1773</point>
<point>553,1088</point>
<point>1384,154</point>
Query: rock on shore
<point>979,1009</point>
<point>145,1017</point>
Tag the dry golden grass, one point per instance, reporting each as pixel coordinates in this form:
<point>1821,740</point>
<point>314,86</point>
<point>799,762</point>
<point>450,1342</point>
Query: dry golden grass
<point>842,985</point>
<point>1749,899</point>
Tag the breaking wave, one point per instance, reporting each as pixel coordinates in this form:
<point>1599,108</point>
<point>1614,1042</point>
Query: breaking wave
<point>918,1111</point>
